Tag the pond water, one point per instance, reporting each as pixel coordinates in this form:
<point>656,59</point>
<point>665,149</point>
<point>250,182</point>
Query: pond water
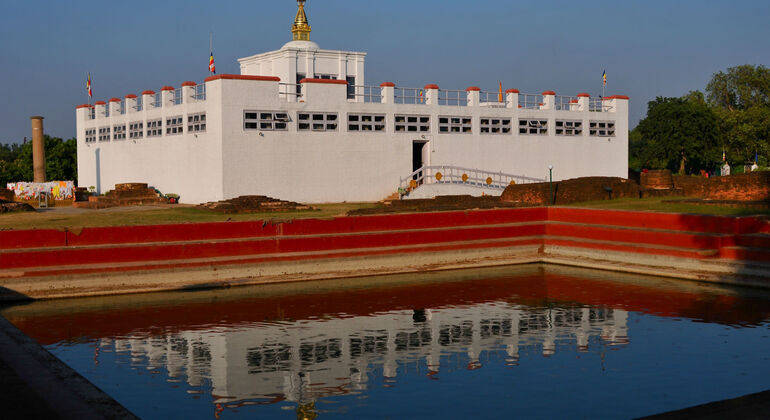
<point>529,341</point>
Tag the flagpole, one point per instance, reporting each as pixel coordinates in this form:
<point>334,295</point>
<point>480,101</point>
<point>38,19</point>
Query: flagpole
<point>211,48</point>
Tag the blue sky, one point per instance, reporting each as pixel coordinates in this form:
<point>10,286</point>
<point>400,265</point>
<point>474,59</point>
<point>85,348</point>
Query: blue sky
<point>649,47</point>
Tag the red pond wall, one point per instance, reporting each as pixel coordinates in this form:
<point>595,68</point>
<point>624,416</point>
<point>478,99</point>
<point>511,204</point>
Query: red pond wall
<point>36,253</point>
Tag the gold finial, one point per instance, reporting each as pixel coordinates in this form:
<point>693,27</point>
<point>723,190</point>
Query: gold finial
<point>301,28</point>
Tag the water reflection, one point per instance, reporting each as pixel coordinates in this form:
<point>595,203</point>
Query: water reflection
<point>300,344</point>
<point>305,360</point>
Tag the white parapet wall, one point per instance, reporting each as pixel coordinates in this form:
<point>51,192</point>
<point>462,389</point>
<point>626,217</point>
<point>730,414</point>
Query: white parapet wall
<point>262,137</point>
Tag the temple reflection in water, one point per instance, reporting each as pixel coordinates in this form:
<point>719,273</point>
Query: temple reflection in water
<point>305,360</point>
<point>360,346</point>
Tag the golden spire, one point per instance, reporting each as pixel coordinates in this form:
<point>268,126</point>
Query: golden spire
<point>301,28</point>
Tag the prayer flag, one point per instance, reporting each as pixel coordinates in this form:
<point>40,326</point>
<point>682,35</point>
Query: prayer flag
<point>604,78</point>
<point>723,156</point>
<point>420,95</point>
<point>212,67</point>
<point>500,93</point>
<point>88,86</point>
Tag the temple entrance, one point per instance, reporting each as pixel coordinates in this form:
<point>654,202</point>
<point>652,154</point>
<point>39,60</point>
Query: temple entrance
<point>420,157</point>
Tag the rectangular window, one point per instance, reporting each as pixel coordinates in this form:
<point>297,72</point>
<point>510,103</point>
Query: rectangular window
<point>494,125</point>
<point>104,134</point>
<point>119,132</point>
<point>174,125</point>
<point>412,123</point>
<point>317,121</point>
<point>154,128</point>
<point>196,123</point>
<point>448,124</point>
<point>569,128</point>
<point>535,127</point>
<point>366,122</point>
<point>136,130</point>
<point>602,128</point>
<point>91,135</point>
<point>265,120</point>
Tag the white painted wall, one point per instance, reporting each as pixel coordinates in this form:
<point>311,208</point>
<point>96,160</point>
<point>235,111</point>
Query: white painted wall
<point>313,167</point>
<point>307,58</point>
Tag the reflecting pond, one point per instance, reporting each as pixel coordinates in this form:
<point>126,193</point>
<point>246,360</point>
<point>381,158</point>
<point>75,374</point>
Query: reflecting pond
<point>532,341</point>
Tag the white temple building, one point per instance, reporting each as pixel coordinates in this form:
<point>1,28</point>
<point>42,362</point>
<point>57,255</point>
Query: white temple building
<point>301,124</point>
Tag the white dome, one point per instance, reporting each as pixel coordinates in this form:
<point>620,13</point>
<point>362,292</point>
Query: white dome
<point>301,45</point>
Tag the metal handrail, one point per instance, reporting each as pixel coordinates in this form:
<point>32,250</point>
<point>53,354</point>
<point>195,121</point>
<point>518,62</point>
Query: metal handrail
<point>453,97</point>
<point>474,177</point>
<point>368,93</point>
<point>565,103</point>
<point>157,100</point>
<point>177,96</point>
<point>598,105</point>
<point>409,96</point>
<point>492,99</point>
<point>200,92</point>
<point>530,101</point>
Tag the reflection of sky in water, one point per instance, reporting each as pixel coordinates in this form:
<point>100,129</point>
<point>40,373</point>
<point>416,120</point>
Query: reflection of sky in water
<point>528,348</point>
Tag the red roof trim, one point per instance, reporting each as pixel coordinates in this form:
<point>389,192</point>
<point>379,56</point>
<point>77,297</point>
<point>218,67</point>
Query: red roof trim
<point>164,88</point>
<point>84,106</point>
<point>617,97</point>
<point>549,92</point>
<point>130,96</point>
<point>324,81</point>
<point>473,89</point>
<point>115,100</point>
<point>148,92</point>
<point>583,95</point>
<point>431,86</point>
<point>387,84</point>
<point>512,91</point>
<point>188,84</point>
<point>100,103</point>
<point>242,77</point>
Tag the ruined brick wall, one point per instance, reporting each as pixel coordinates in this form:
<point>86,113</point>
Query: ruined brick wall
<point>656,179</point>
<point>572,190</point>
<point>527,193</point>
<point>753,186</point>
<point>691,186</point>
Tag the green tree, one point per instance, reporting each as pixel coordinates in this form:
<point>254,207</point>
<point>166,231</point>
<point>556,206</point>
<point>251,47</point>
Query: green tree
<point>680,134</point>
<point>60,163</point>
<point>741,99</point>
<point>740,88</point>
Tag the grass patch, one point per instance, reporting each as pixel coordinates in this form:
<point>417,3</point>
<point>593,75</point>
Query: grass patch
<point>657,204</point>
<point>127,216</point>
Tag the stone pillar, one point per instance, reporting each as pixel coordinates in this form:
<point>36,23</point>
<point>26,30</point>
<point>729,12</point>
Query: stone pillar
<point>472,96</point>
<point>101,110</point>
<point>431,94</point>
<point>148,100</point>
<point>38,149</point>
<point>583,101</point>
<point>115,107</point>
<point>549,97</point>
<point>131,104</point>
<point>388,92</point>
<point>167,96</point>
<point>188,92</point>
<point>512,98</point>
